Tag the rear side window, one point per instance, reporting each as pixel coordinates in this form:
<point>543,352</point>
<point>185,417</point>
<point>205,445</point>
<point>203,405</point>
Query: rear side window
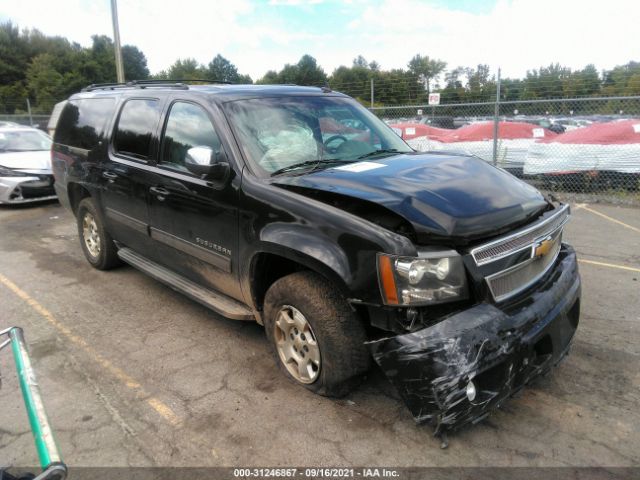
<point>136,125</point>
<point>83,122</point>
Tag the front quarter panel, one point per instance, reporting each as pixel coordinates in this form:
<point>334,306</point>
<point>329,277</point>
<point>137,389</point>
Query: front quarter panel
<point>335,243</point>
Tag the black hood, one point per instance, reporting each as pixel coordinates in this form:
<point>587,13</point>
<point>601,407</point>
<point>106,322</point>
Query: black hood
<point>443,196</point>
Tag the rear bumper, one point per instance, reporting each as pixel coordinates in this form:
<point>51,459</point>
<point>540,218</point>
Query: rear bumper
<point>499,349</point>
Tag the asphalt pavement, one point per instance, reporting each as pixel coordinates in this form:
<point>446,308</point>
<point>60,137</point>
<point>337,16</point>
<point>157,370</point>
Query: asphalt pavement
<point>135,374</point>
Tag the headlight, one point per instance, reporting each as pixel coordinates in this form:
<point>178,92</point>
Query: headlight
<point>7,172</point>
<point>433,277</point>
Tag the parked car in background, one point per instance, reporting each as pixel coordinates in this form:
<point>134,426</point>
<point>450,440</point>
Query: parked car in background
<point>25,165</point>
<point>601,155</point>
<point>8,124</point>
<point>514,139</point>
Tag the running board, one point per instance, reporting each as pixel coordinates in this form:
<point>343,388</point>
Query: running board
<point>217,302</point>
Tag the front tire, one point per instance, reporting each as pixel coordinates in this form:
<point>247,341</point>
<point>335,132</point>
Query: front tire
<point>97,244</point>
<point>316,338</point>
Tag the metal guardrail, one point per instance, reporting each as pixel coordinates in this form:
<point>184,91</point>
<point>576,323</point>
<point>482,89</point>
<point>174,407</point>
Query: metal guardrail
<point>53,468</point>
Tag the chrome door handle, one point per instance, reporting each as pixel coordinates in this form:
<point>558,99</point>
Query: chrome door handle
<point>160,192</point>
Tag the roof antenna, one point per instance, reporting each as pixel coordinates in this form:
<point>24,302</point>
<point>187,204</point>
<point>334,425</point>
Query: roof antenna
<point>326,88</point>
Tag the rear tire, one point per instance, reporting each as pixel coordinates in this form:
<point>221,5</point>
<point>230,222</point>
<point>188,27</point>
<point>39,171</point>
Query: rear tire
<point>316,338</point>
<point>97,244</point>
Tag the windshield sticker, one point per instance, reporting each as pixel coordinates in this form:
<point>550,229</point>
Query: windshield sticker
<point>360,166</point>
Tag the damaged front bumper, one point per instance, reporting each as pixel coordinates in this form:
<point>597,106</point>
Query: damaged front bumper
<point>499,349</point>
<point>26,189</point>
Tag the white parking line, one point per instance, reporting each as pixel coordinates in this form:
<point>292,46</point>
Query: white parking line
<point>611,219</point>
<point>609,265</point>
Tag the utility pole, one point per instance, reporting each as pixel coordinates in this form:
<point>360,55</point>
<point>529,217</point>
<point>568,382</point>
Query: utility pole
<point>29,110</point>
<point>372,93</point>
<point>496,120</point>
<point>116,41</point>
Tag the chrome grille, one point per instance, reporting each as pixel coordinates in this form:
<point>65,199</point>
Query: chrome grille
<point>540,243</point>
<point>516,279</point>
<point>521,239</point>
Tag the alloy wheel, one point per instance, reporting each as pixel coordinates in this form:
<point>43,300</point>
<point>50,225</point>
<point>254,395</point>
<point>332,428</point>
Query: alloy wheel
<point>297,345</point>
<point>90,234</point>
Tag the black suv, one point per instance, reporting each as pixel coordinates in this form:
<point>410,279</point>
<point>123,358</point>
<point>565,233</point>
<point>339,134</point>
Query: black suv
<point>297,208</point>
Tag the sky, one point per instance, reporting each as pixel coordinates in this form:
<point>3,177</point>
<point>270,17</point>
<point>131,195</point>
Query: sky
<point>261,35</point>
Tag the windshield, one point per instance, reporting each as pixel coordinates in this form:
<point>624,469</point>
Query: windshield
<point>24,141</point>
<point>290,133</point>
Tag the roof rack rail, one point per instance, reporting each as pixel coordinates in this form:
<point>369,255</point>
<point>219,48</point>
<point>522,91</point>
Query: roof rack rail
<point>97,86</point>
<point>134,84</point>
<point>182,80</point>
<point>171,83</point>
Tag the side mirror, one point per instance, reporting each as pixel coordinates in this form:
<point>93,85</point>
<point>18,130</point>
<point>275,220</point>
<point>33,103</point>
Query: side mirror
<point>206,163</point>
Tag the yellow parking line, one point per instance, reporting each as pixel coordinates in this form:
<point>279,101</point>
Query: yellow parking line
<point>162,409</point>
<point>611,219</point>
<point>610,265</point>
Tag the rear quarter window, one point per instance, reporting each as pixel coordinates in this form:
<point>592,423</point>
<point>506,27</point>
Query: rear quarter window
<point>137,123</point>
<point>83,122</point>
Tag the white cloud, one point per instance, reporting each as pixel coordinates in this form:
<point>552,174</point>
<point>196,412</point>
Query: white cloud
<point>516,35</point>
<point>76,20</point>
<point>294,3</point>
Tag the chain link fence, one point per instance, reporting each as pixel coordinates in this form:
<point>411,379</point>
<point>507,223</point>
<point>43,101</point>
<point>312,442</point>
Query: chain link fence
<point>38,121</point>
<point>585,145</point>
<point>572,145</point>
<point>18,111</point>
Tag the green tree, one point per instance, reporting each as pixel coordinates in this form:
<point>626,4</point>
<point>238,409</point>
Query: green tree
<point>134,63</point>
<point>14,54</point>
<point>633,85</point>
<point>309,73</point>
<point>361,62</point>
<point>481,86</point>
<point>187,68</point>
<point>271,77</point>
<point>511,89</point>
<point>397,87</point>
<point>427,70</point>
<point>101,63</point>
<point>222,69</point>
<point>616,80</point>
<point>12,97</point>
<point>454,90</point>
<point>546,82</point>
<point>48,69</point>
<point>354,81</point>
<point>44,82</point>
<point>305,72</point>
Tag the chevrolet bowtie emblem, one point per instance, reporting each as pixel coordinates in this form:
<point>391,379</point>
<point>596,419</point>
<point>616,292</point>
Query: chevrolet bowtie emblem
<point>542,248</point>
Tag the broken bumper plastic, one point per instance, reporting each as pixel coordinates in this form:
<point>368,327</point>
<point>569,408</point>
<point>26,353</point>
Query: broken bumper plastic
<point>26,189</point>
<point>499,349</point>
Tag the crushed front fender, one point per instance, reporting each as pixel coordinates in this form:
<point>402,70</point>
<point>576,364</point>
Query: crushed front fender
<point>499,349</point>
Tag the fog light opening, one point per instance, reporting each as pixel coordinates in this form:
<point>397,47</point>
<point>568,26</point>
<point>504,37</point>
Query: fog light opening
<point>471,391</point>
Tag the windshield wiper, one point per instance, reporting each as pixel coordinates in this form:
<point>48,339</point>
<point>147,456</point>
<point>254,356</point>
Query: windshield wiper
<point>377,152</point>
<point>309,163</point>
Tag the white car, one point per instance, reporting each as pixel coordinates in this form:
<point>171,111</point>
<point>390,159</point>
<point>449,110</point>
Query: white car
<point>25,166</point>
